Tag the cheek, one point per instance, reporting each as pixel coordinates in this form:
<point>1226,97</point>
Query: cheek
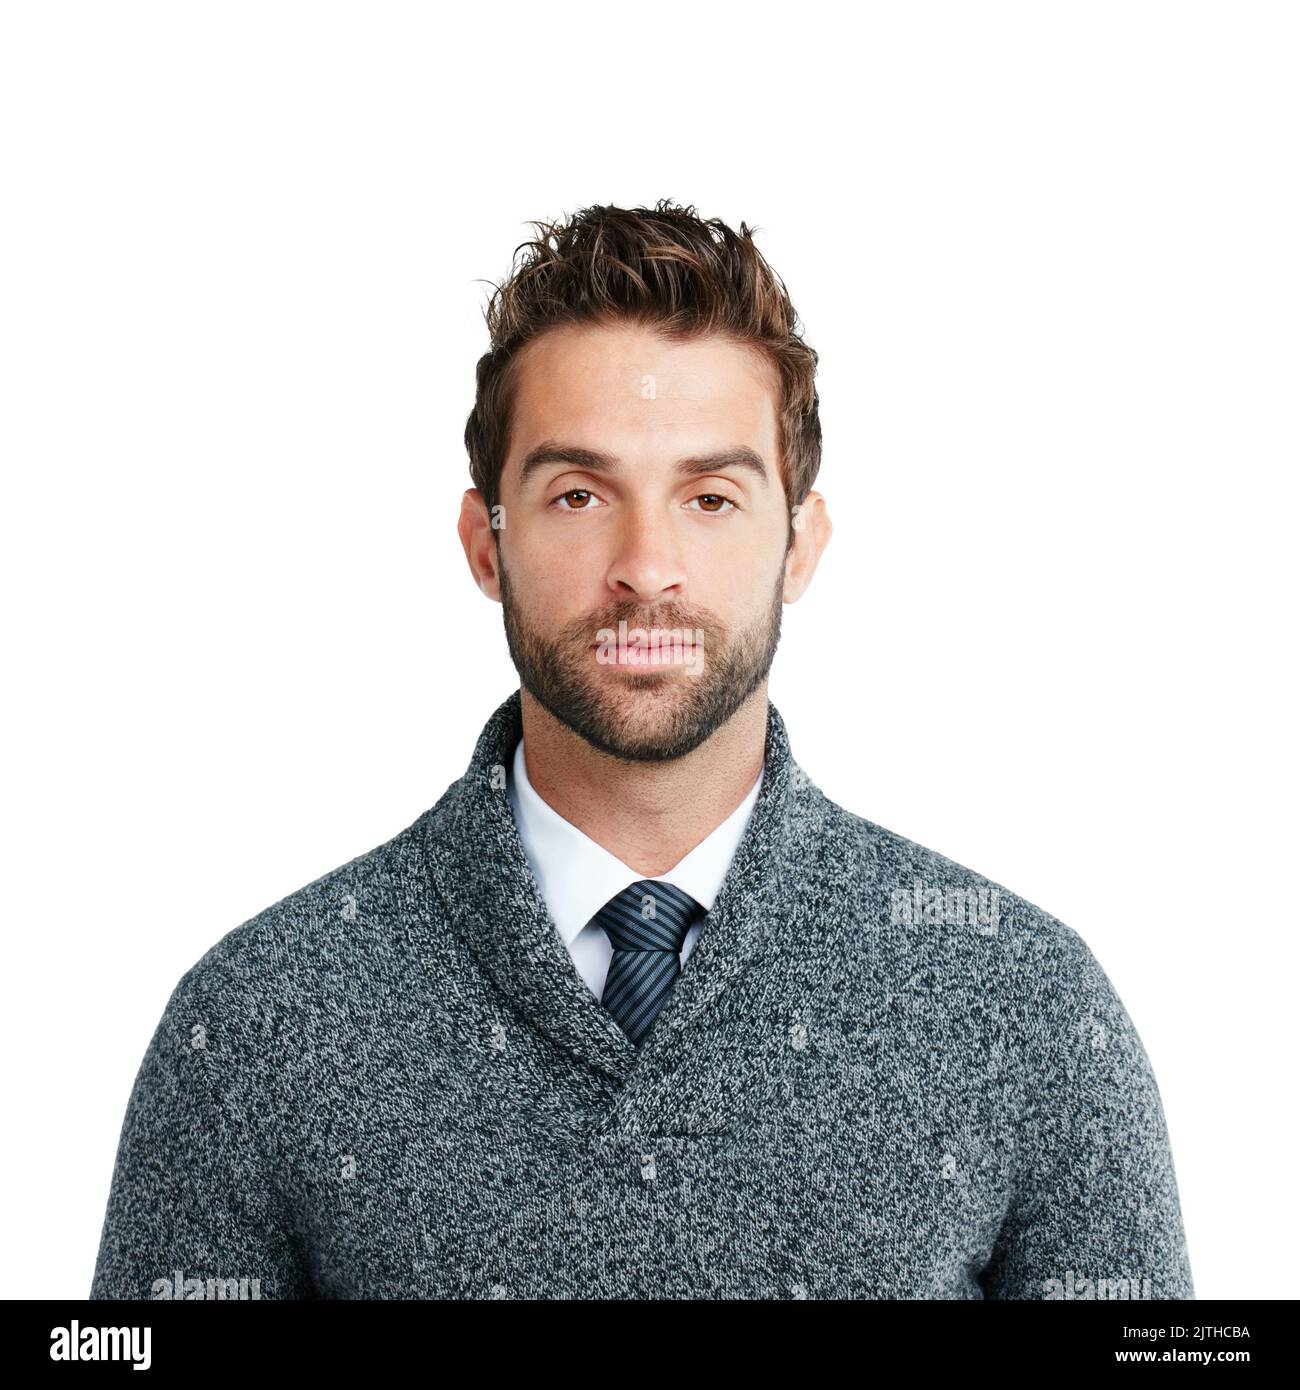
<point>735,578</point>
<point>555,578</point>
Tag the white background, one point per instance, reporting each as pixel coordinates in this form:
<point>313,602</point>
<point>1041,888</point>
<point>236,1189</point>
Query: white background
<point>1048,255</point>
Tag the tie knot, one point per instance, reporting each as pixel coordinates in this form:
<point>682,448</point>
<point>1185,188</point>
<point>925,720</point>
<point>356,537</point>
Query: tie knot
<point>649,916</point>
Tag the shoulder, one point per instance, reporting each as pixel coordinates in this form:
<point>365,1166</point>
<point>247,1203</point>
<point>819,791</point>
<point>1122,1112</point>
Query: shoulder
<point>334,937</point>
<point>943,914</point>
<point>965,952</point>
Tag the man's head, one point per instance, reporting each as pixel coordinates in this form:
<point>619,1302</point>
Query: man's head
<point>643,446</point>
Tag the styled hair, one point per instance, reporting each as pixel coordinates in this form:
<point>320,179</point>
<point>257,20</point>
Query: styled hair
<point>662,267</point>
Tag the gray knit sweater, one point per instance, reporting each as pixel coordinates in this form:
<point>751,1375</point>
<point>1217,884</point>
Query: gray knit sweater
<point>879,1075</point>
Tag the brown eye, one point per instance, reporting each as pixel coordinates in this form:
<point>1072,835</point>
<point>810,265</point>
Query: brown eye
<point>713,502</point>
<point>577,498</point>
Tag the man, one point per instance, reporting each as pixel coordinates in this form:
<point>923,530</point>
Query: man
<point>635,1011</point>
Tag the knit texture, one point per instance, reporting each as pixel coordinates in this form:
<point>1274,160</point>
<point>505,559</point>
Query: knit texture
<point>879,1075</point>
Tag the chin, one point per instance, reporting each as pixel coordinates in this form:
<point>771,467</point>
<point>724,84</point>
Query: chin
<point>643,725</point>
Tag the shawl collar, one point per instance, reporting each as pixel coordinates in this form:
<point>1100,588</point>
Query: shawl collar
<point>786,875</point>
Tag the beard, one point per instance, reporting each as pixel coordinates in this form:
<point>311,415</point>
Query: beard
<point>641,714</point>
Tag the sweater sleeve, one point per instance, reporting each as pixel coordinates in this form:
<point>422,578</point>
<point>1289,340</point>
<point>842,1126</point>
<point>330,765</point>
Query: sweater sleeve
<point>1095,1212</point>
<point>192,1196</point>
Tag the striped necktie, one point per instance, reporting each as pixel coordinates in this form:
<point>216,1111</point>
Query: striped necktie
<point>646,924</point>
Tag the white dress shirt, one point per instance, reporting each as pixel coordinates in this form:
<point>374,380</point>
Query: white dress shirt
<point>578,877</point>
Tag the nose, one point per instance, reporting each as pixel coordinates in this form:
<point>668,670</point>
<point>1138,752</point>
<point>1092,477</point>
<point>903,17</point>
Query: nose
<point>647,566</point>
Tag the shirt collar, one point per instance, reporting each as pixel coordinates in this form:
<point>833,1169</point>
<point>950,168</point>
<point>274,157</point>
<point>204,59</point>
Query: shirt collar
<point>578,877</point>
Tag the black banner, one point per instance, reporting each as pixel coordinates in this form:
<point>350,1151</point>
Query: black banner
<point>168,1337</point>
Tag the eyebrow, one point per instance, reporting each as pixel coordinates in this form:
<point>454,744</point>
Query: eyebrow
<point>597,461</point>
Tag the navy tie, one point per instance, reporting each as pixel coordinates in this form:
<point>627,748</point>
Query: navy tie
<point>646,924</point>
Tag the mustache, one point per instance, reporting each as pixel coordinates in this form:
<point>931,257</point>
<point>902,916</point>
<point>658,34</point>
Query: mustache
<point>661,616</point>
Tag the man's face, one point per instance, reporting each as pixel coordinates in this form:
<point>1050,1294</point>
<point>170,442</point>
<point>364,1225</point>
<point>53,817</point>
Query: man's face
<point>642,489</point>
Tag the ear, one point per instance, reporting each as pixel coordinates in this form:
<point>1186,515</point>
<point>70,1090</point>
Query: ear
<point>812,530</point>
<point>478,536</point>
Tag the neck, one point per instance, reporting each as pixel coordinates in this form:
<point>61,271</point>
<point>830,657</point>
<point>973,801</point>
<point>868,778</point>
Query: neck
<point>648,814</point>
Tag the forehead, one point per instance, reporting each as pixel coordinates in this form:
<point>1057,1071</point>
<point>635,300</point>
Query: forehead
<point>627,390</point>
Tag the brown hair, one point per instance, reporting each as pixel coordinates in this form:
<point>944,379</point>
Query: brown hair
<point>664,267</point>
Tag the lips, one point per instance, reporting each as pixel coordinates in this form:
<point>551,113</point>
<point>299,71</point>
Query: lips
<point>638,654</point>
